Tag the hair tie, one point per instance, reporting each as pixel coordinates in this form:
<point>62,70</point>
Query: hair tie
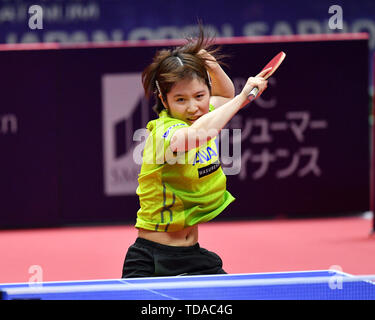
<point>209,79</point>
<point>180,61</point>
<point>157,86</point>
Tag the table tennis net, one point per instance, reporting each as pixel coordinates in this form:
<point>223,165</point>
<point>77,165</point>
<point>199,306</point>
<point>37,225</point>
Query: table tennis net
<point>335,287</point>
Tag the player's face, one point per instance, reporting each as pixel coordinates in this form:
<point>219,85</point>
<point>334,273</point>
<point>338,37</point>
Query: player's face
<point>188,100</point>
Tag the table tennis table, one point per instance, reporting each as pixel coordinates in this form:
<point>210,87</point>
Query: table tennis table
<point>300,285</point>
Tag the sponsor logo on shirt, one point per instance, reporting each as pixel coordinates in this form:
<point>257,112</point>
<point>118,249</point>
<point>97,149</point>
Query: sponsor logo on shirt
<point>166,133</point>
<point>208,169</point>
<point>204,155</point>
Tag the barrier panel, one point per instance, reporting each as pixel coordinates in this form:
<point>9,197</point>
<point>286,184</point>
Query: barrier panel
<point>68,115</point>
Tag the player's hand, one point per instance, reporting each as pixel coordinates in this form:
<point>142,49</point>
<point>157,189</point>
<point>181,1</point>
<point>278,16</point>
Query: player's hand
<point>210,60</point>
<point>258,82</point>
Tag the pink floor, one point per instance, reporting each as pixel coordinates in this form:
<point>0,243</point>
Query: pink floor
<point>87,253</point>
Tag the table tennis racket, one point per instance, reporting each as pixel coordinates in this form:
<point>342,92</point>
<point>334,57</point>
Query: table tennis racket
<point>274,64</point>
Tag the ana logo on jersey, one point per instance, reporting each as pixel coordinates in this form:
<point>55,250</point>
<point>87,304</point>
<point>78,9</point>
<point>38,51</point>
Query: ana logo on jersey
<point>204,155</point>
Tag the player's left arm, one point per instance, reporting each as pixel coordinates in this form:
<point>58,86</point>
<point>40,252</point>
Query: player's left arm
<point>222,88</point>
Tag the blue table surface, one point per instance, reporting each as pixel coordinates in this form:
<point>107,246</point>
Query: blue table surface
<point>212,287</point>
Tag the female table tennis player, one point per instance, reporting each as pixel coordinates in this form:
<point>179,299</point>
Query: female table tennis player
<point>194,100</point>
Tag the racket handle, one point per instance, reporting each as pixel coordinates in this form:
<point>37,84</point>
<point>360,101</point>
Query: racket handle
<point>253,94</point>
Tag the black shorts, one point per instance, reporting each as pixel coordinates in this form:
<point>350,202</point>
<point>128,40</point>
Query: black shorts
<point>151,259</point>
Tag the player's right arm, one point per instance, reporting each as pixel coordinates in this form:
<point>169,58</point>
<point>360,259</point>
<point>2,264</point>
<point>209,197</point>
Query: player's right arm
<point>209,125</point>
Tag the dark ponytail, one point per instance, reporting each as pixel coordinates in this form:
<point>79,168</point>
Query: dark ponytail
<point>172,65</point>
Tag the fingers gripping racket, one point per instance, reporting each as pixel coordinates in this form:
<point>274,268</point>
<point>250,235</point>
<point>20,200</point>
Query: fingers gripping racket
<point>274,64</point>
